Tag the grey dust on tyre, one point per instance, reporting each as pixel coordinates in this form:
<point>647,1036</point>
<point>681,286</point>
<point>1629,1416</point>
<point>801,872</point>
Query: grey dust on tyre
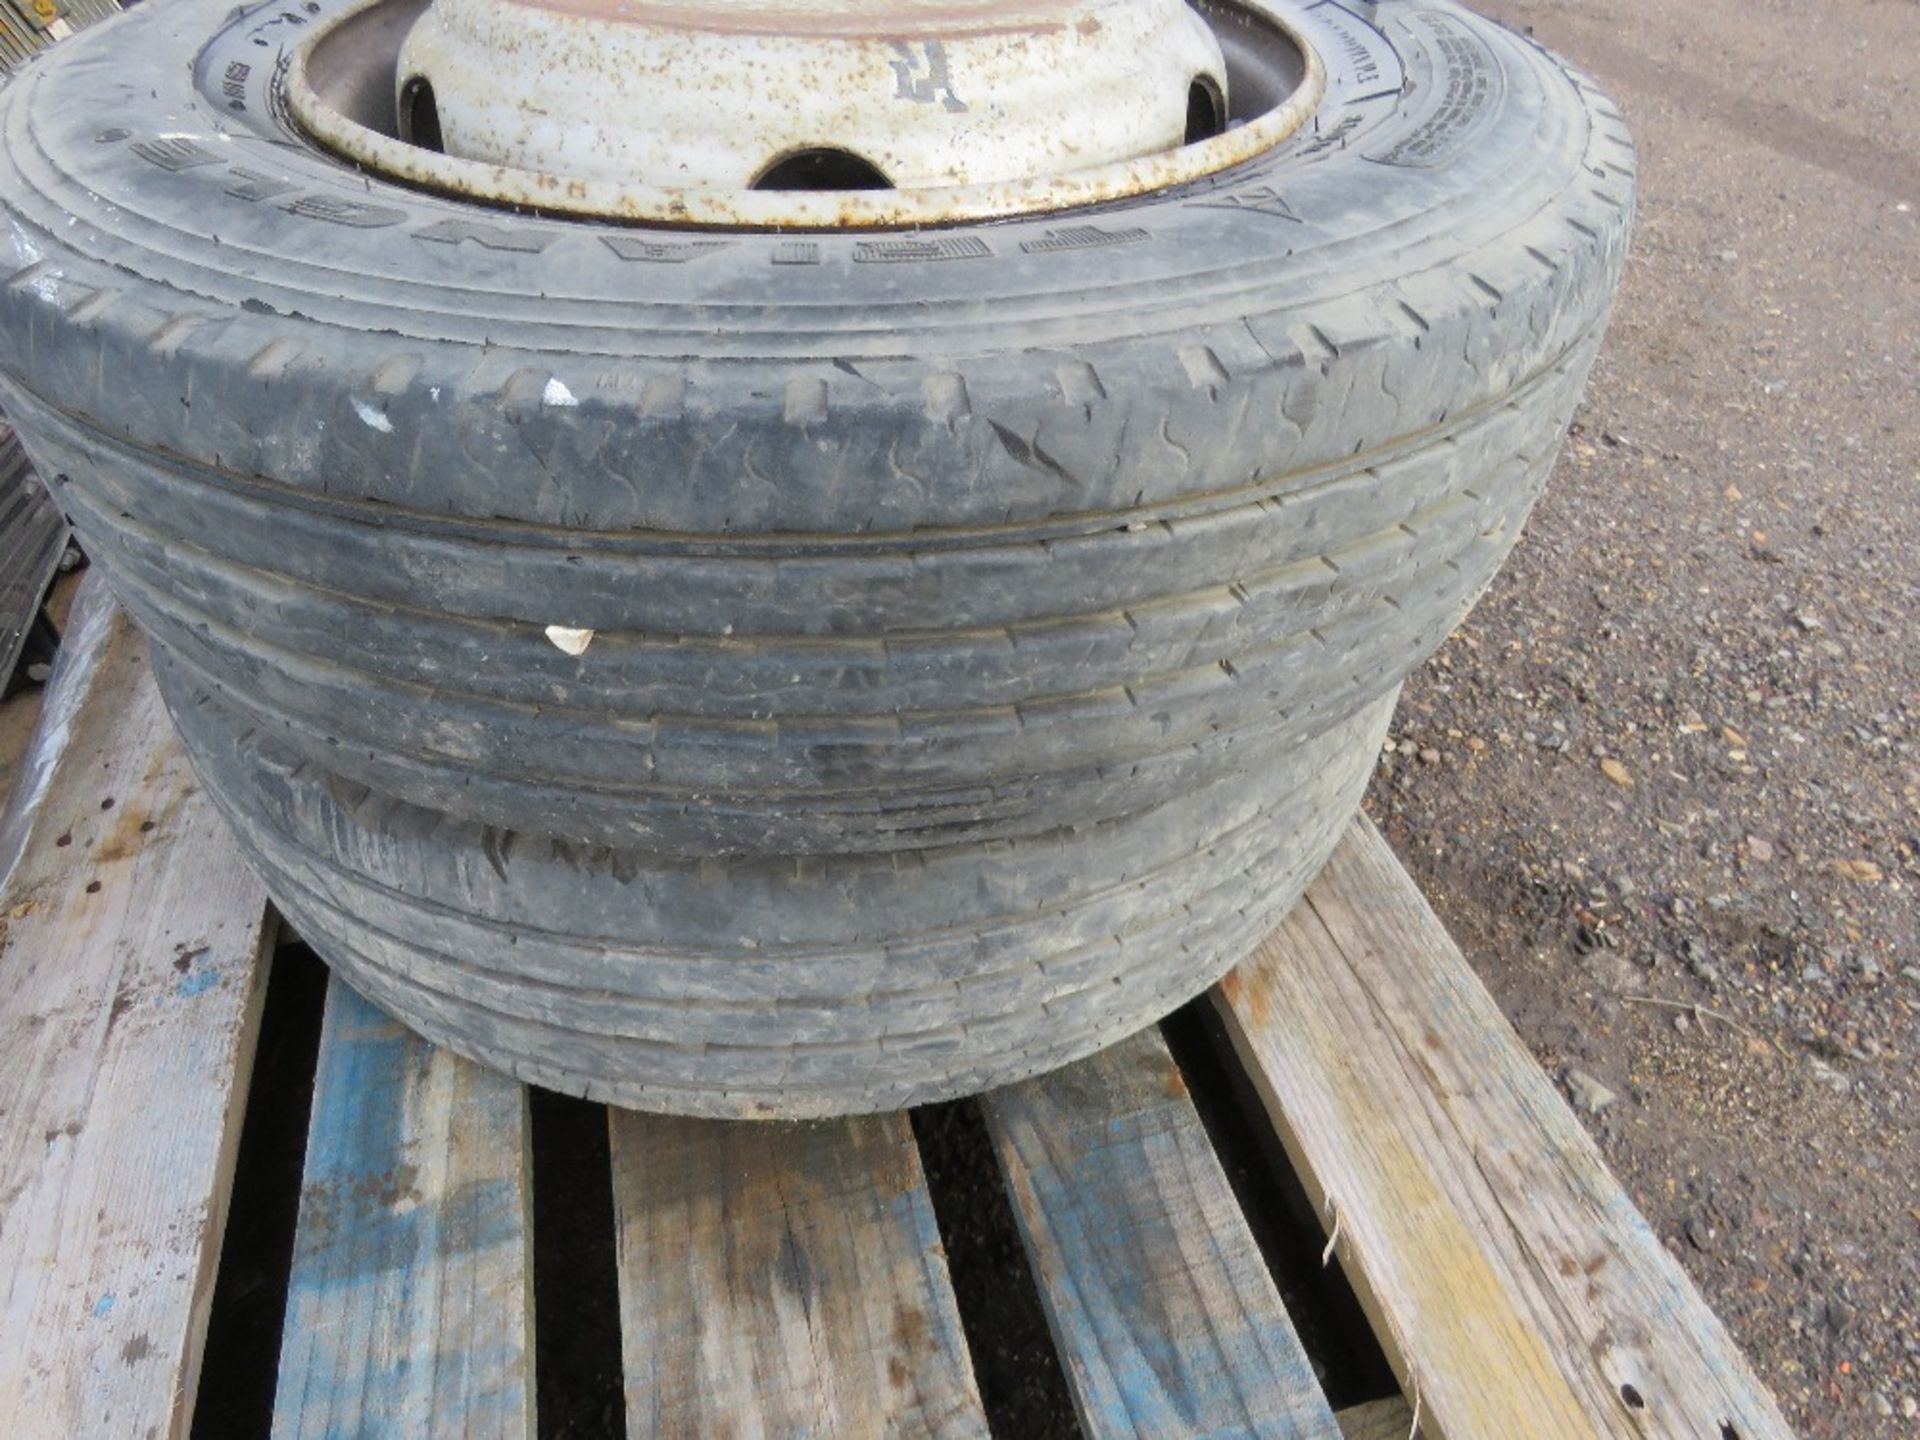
<point>836,610</point>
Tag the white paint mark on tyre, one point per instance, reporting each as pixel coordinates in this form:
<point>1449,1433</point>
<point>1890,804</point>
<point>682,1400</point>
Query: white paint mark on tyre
<point>373,418</point>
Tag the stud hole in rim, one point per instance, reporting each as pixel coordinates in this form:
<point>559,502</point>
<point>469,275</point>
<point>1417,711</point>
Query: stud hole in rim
<point>419,117</point>
<point>822,168</point>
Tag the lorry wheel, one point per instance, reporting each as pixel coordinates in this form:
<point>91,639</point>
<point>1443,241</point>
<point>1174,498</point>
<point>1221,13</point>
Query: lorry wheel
<point>1046,543</point>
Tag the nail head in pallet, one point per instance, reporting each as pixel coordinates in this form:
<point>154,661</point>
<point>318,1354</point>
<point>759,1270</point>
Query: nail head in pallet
<point>783,1279</point>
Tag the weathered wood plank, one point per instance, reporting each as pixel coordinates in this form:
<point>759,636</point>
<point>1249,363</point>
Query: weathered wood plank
<point>784,1280</point>
<point>130,988</point>
<point>93,627</point>
<point>1159,1301</point>
<point>33,536</point>
<point>409,1311</point>
<point>19,41</point>
<point>1515,1287</point>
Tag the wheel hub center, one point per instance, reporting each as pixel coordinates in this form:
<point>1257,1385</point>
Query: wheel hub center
<point>811,114</point>
<point>828,94</point>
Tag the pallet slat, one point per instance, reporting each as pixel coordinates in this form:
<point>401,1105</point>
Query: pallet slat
<point>784,1280</point>
<point>88,646</point>
<point>1159,1301</point>
<point>409,1311</point>
<point>33,537</point>
<point>23,34</point>
<point>1512,1282</point>
<point>130,988</point>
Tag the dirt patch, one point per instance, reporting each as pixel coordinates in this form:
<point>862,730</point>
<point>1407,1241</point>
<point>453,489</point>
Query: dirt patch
<point>1663,786</point>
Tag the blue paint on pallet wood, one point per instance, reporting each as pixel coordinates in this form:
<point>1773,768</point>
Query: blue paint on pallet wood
<point>409,1308</point>
<point>1163,1310</point>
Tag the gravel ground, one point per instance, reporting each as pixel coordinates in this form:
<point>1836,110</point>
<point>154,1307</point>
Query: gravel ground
<point>1664,785</point>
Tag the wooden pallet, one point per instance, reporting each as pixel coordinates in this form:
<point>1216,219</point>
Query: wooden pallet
<point>33,537</point>
<point>782,1280</point>
<point>30,26</point>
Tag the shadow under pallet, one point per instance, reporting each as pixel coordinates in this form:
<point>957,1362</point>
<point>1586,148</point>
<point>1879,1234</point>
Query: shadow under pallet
<point>417,1246</point>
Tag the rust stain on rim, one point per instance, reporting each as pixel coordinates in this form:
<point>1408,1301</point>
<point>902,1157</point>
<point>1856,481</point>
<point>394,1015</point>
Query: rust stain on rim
<point>737,209</point>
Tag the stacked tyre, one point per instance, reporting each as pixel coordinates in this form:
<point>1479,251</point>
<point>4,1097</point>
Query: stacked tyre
<point>749,674</point>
